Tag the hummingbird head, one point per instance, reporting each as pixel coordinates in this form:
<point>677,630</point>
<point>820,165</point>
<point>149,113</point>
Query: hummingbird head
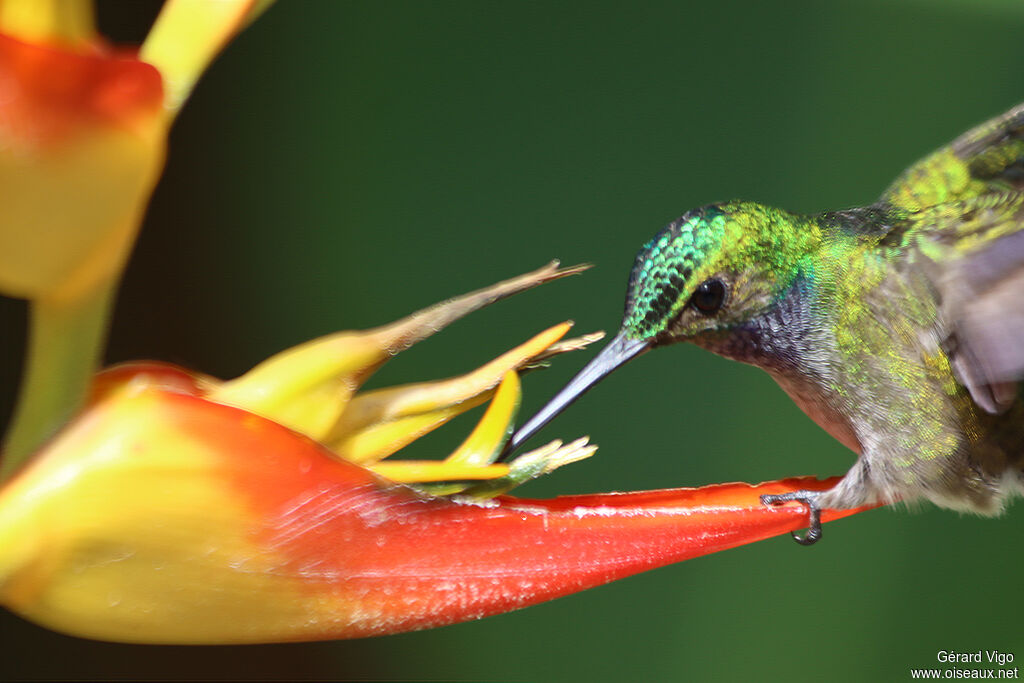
<point>713,269</point>
<point>705,274</point>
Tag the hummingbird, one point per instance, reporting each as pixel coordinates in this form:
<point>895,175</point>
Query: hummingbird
<point>897,327</point>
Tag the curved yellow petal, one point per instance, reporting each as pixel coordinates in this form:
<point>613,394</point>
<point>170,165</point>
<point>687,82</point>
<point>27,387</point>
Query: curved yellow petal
<point>383,406</point>
<point>484,443</point>
<point>308,387</point>
<point>378,441</point>
<point>186,37</point>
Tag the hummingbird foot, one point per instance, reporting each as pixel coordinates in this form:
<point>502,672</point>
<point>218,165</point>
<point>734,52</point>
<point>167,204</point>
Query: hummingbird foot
<point>808,498</point>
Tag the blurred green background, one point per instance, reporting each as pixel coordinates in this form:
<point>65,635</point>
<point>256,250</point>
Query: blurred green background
<point>345,163</point>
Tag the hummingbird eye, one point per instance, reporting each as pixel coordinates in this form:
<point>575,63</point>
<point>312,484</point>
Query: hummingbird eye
<point>709,296</point>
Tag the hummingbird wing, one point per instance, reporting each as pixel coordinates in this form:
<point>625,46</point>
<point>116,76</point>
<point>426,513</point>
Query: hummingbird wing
<point>983,302</point>
<point>972,252</point>
<point>963,209</point>
<point>985,159</point>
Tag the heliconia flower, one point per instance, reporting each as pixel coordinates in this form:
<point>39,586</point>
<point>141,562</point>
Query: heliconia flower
<point>154,504</point>
<point>177,508</point>
<point>83,134</point>
<point>83,130</point>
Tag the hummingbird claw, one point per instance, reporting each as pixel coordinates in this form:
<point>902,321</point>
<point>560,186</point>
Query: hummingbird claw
<point>808,498</point>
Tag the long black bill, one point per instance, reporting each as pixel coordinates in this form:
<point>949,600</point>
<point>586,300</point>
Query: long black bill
<point>619,350</point>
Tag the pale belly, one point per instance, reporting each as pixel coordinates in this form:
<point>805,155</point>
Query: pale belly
<point>809,399</point>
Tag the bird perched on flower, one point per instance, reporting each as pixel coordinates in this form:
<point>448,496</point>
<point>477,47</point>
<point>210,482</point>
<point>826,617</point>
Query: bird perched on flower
<point>897,327</point>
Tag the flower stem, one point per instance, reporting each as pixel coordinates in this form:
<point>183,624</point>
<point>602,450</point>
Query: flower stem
<point>65,343</point>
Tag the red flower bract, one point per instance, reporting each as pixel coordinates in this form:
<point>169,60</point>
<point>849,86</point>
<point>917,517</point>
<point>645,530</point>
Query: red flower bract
<point>323,548</point>
<point>48,91</point>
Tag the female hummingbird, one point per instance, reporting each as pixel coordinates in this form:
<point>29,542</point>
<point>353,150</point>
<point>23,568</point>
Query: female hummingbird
<point>897,327</point>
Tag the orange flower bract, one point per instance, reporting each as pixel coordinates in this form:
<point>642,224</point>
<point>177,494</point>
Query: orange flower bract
<point>159,516</point>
